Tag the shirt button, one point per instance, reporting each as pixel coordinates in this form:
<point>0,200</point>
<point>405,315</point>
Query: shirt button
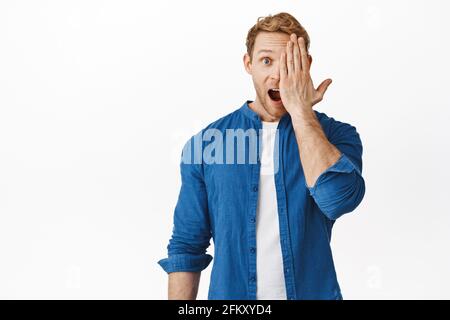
<point>255,188</point>
<point>287,270</point>
<point>252,250</point>
<point>252,279</point>
<point>253,220</point>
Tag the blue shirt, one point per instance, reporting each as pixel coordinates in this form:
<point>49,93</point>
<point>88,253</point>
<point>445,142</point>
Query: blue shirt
<point>219,201</point>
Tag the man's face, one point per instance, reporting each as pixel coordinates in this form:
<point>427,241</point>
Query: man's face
<point>265,70</point>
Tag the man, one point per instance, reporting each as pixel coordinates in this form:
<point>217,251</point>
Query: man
<point>270,219</point>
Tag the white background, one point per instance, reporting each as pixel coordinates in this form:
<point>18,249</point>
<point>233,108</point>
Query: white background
<point>98,97</point>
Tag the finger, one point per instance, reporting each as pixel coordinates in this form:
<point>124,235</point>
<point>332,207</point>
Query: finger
<point>289,58</point>
<point>283,68</point>
<point>304,54</point>
<point>322,88</point>
<point>296,50</point>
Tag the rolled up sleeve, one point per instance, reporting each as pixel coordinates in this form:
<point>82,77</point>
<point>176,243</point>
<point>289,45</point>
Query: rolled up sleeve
<point>341,187</point>
<point>191,232</point>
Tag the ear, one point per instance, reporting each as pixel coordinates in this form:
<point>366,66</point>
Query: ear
<point>310,59</point>
<point>247,63</point>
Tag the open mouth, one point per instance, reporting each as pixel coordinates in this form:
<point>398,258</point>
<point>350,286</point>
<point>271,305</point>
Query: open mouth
<point>274,94</point>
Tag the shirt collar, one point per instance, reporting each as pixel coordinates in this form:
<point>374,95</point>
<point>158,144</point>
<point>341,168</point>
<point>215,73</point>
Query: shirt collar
<point>252,115</point>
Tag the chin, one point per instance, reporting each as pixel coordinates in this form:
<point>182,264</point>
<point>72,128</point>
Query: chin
<point>275,105</point>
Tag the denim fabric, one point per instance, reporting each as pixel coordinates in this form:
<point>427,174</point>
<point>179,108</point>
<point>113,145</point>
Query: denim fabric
<point>219,200</point>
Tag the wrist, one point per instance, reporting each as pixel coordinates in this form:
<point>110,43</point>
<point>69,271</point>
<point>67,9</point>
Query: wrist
<point>302,115</point>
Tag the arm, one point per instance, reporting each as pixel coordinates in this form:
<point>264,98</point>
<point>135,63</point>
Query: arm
<point>332,167</point>
<point>316,152</point>
<point>191,233</point>
<point>183,285</point>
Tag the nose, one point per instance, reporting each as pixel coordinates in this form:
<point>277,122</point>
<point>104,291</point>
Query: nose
<point>275,74</point>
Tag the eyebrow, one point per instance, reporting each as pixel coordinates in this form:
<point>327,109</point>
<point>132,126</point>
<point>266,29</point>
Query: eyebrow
<point>264,50</point>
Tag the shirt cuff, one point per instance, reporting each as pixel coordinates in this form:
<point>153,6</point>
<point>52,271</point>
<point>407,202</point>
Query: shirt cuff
<point>343,164</point>
<point>185,262</point>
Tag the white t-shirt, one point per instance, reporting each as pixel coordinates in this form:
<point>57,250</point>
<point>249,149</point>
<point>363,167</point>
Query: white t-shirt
<point>269,262</point>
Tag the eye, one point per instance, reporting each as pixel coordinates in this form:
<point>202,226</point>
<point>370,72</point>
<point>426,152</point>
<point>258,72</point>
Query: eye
<point>266,61</point>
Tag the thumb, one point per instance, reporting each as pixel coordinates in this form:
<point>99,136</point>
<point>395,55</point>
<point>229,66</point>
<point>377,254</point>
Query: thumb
<point>324,86</point>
